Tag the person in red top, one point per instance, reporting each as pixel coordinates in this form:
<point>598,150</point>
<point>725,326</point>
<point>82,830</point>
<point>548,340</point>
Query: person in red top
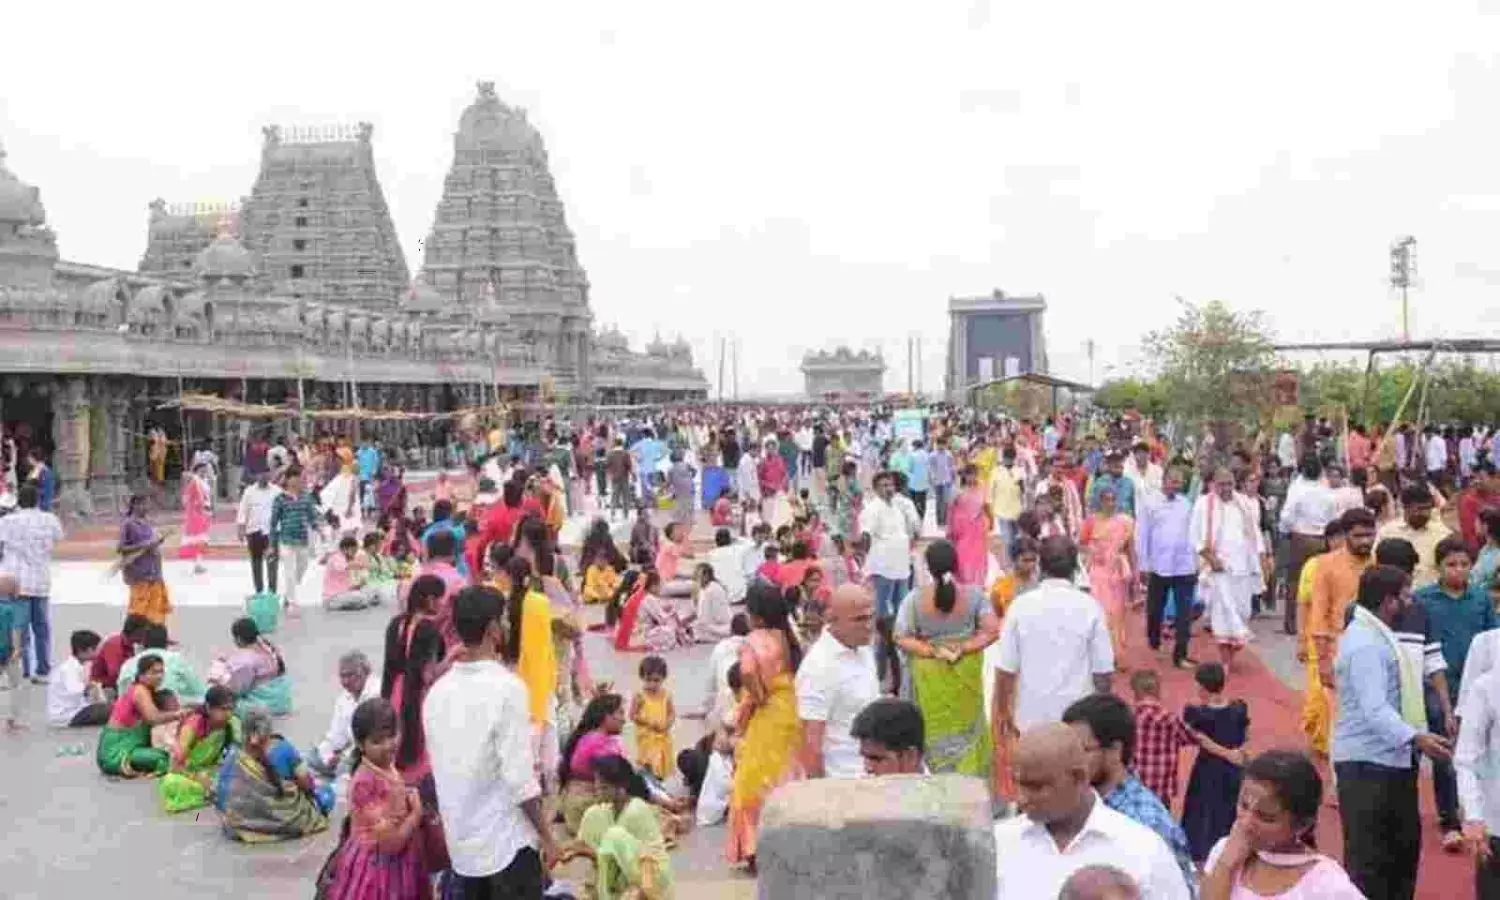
<point>1482,493</point>
<point>1359,448</point>
<point>499,522</point>
<point>115,650</point>
<point>772,473</point>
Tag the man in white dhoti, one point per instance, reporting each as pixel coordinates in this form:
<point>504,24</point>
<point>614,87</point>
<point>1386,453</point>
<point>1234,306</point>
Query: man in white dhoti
<point>1226,534</point>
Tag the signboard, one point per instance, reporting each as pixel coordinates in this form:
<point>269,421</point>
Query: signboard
<point>909,424</point>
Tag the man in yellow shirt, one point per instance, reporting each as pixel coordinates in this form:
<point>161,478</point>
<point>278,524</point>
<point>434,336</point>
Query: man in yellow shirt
<point>1420,529</point>
<point>1334,586</point>
<point>1005,488</point>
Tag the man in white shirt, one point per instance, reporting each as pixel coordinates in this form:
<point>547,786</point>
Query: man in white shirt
<point>72,700</point>
<point>358,686</point>
<point>1066,827</point>
<point>728,561</point>
<point>254,526</point>
<point>718,700</point>
<point>1054,647</point>
<point>1305,515</point>
<point>477,723</point>
<point>1476,760</point>
<point>836,680</point>
<point>1435,452</point>
<point>890,528</point>
<point>747,478</point>
<point>1143,473</point>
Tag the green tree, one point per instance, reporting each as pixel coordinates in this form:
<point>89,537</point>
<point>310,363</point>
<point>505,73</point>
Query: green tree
<point>1145,396</point>
<point>1205,360</point>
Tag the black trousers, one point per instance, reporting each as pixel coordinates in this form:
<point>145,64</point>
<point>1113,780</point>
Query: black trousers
<point>1487,875</point>
<point>1184,590</point>
<point>260,567</point>
<point>91,716</point>
<point>919,500</point>
<point>523,879</point>
<point>1382,828</point>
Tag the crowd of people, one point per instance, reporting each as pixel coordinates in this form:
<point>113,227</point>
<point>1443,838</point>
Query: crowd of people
<point>956,600</point>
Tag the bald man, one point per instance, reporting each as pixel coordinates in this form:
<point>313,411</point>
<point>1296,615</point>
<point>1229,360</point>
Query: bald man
<point>1099,883</point>
<point>836,680</point>
<point>1065,827</point>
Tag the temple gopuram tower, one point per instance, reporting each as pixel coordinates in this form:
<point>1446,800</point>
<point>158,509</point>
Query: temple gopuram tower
<point>318,222</point>
<point>500,248</point>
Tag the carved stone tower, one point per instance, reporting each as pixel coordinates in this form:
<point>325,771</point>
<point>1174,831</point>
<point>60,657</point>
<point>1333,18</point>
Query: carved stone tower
<point>28,248</point>
<point>318,221</point>
<point>500,246</point>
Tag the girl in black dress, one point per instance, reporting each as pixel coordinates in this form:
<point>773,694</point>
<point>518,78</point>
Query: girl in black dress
<point>1214,786</point>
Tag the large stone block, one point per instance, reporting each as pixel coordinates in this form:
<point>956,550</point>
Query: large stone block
<point>896,838</point>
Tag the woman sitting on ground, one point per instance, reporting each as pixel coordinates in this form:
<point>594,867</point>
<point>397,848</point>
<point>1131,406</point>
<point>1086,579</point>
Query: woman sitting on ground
<point>180,678</point>
<point>255,672</point>
<point>661,625</point>
<point>623,836</point>
<point>125,743</point>
<point>597,735</point>
<point>265,792</point>
<point>206,735</point>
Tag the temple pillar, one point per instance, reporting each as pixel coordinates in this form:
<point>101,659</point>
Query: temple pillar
<point>119,438</point>
<point>70,435</point>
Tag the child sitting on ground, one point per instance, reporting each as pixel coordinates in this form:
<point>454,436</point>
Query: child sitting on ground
<point>722,513</point>
<point>339,589</point>
<point>600,580</point>
<point>379,570</point>
<point>164,736</point>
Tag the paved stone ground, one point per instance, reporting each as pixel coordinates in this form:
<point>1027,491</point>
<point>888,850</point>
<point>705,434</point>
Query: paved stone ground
<point>67,830</point>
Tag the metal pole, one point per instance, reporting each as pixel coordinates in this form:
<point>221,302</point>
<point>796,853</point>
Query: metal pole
<point>910,386</point>
<point>721,369</point>
<point>1405,316</point>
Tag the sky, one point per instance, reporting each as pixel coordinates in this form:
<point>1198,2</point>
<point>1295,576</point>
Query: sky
<point>788,176</point>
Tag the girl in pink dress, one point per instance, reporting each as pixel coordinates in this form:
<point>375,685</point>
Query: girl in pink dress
<point>379,856</point>
<point>195,517</point>
<point>1108,543</point>
<point>1269,852</point>
<point>969,529</point>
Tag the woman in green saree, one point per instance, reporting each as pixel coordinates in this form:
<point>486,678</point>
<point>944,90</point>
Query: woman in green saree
<point>943,628</point>
<point>125,743</point>
<point>265,791</point>
<point>205,736</point>
<point>622,835</point>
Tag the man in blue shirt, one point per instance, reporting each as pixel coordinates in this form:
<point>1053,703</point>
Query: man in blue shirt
<point>1113,476</point>
<point>917,478</point>
<point>367,463</point>
<point>1167,559</point>
<point>1380,724</point>
<point>941,475</point>
<point>46,482</point>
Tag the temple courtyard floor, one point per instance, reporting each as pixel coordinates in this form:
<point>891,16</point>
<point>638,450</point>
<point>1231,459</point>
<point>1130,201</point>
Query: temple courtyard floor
<point>67,831</point>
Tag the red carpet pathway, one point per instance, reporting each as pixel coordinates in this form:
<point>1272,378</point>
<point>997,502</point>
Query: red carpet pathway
<point>1276,721</point>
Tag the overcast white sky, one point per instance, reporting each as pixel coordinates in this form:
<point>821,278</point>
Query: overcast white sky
<point>800,174</point>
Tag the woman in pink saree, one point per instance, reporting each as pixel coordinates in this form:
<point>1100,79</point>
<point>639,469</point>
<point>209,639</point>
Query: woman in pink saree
<point>969,529</point>
<point>1108,544</point>
<point>195,517</point>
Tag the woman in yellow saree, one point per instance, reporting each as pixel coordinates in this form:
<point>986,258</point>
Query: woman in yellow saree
<point>767,718</point>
